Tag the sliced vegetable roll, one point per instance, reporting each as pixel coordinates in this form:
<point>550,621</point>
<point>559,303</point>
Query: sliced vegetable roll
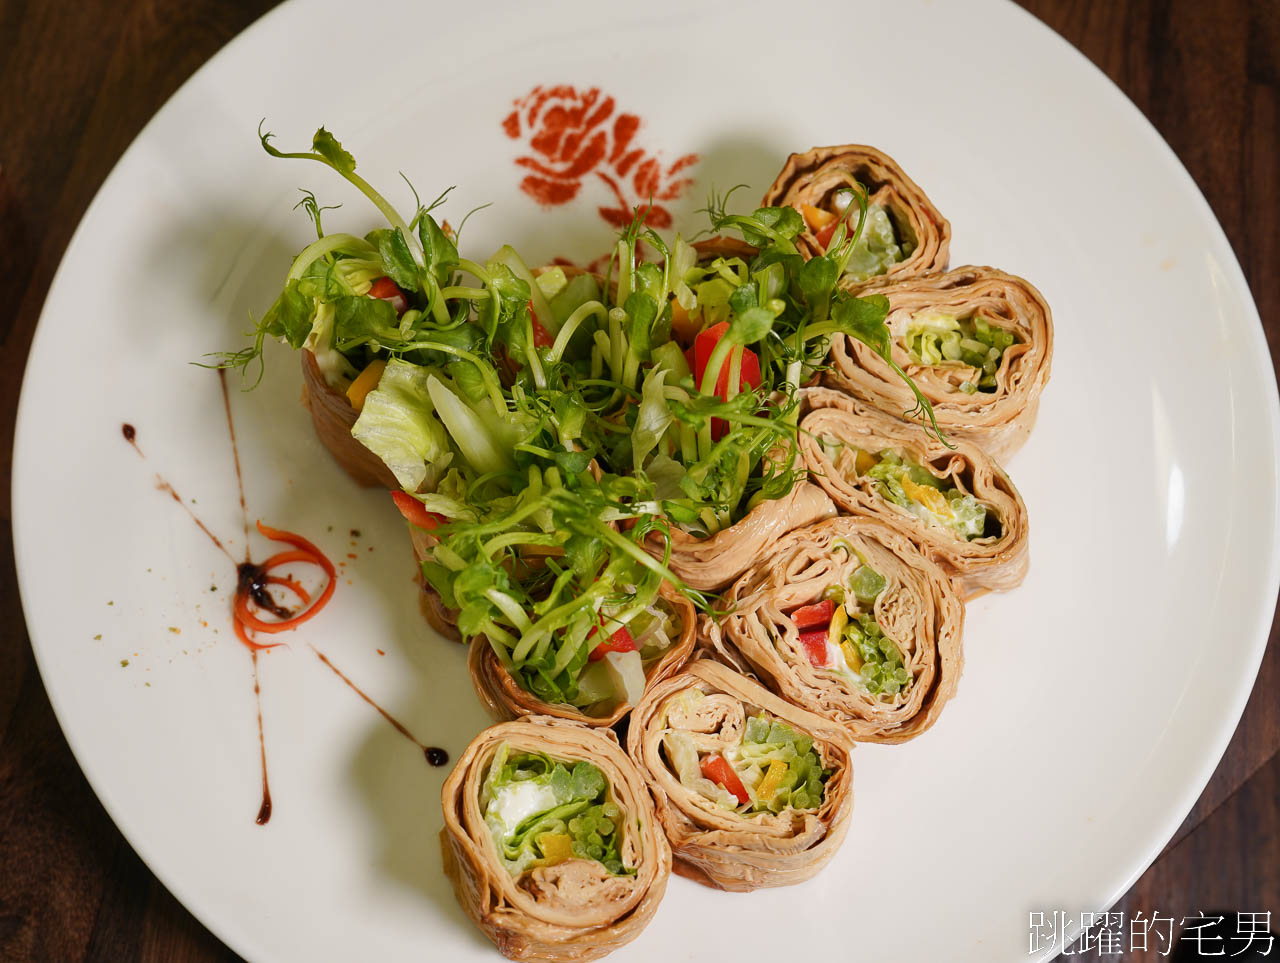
<point>652,644</point>
<point>903,236</point>
<point>715,561</point>
<point>849,619</point>
<point>956,503</point>
<point>977,342</point>
<point>550,840</point>
<point>750,790</point>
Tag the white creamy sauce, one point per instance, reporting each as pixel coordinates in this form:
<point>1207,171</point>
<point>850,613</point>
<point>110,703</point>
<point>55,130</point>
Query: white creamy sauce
<point>515,802</point>
<point>836,660</point>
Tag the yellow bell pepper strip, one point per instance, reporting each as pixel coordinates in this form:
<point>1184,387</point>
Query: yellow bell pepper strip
<point>769,784</point>
<point>930,498</point>
<point>365,382</point>
<point>556,847</point>
<point>815,217</point>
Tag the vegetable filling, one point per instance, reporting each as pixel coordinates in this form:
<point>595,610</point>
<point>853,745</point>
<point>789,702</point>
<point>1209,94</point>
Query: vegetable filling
<point>878,248</point>
<point>772,769</point>
<point>616,666</point>
<point>940,340</point>
<point>542,811</point>
<point>910,485</point>
<point>841,633</point>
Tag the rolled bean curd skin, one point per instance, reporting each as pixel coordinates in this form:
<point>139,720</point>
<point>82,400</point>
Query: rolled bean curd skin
<point>572,910</point>
<point>719,847</point>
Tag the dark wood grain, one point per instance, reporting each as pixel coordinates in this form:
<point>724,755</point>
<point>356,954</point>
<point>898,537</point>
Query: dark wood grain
<point>80,79</point>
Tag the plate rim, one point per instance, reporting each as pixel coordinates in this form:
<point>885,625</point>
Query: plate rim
<point>231,932</point>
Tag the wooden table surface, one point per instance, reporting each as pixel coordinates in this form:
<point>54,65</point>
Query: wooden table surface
<point>81,78</point>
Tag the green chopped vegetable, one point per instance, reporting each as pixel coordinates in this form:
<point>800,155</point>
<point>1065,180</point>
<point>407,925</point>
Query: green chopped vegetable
<point>883,671</point>
<point>866,583</point>
<point>770,744</point>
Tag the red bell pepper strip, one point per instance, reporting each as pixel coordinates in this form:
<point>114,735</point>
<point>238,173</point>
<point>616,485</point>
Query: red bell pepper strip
<point>620,641</point>
<point>815,647</point>
<point>749,375</point>
<point>385,289</point>
<point>851,224</point>
<point>414,513</point>
<point>824,236</point>
<point>716,768</point>
<point>811,616</point>
<point>541,336</point>
<point>705,343</point>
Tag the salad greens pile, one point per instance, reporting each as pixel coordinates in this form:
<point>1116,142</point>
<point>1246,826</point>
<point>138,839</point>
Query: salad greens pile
<point>330,303</point>
<point>541,811</point>
<point>548,578</point>
<point>553,427</point>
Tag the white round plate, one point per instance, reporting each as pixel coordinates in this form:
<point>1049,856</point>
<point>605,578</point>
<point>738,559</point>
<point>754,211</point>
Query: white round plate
<point>1096,699</point>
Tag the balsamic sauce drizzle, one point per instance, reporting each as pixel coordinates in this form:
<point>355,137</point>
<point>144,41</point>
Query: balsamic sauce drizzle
<point>235,455</point>
<point>251,578</point>
<point>435,755</point>
<point>264,809</point>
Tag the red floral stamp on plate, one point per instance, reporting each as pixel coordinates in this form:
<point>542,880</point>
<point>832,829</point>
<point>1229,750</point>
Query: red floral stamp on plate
<point>575,134</point>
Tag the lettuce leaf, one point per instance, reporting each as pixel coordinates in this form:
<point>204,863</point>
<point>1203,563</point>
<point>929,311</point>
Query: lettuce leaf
<point>398,424</point>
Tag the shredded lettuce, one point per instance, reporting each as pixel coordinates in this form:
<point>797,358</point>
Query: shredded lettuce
<point>682,752</point>
<point>469,429</point>
<point>940,340</point>
<point>653,417</point>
